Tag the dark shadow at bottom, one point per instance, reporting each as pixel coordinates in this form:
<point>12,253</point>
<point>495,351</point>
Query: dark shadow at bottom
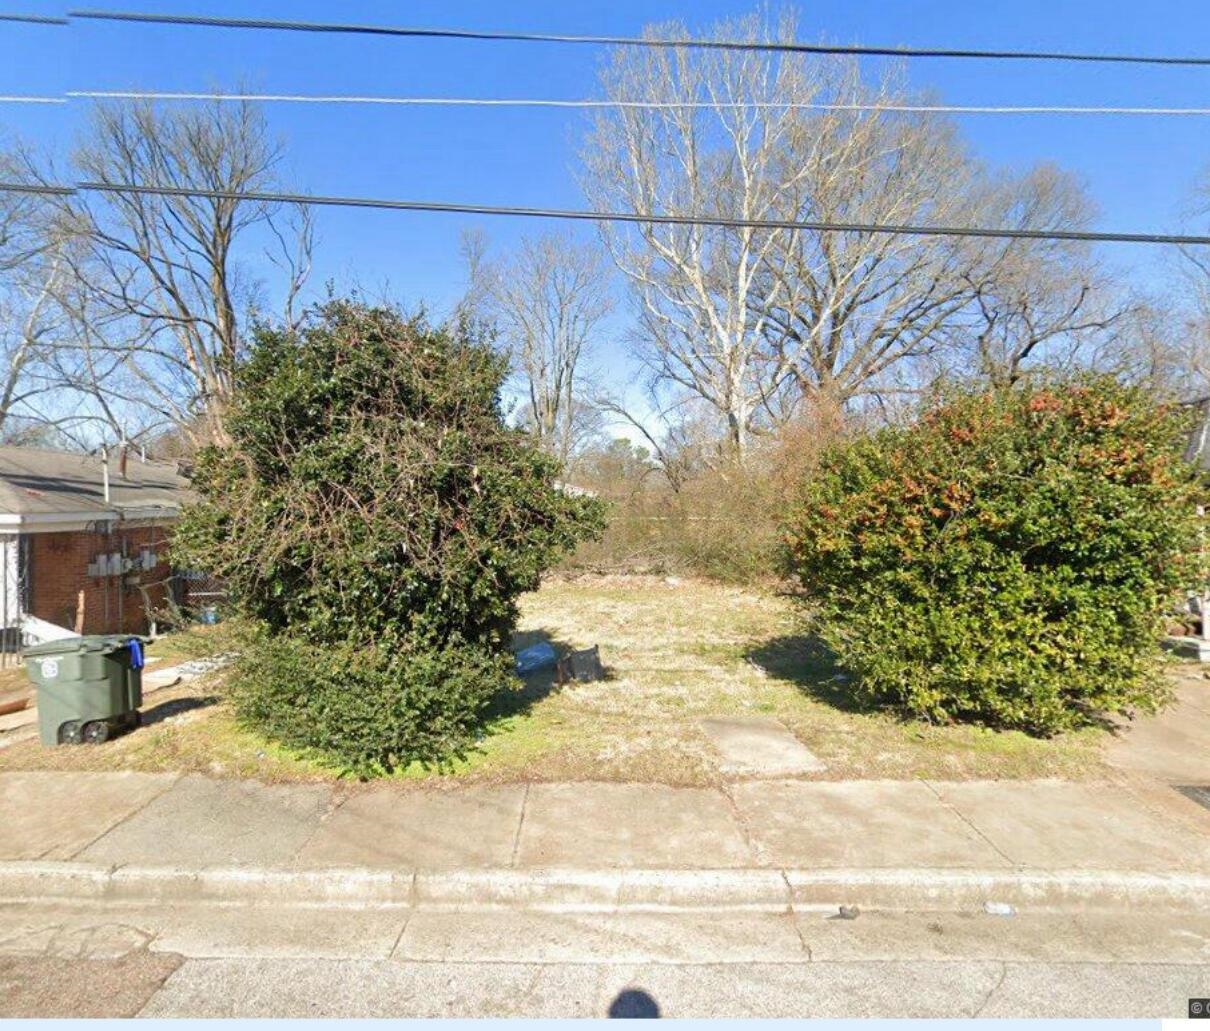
<point>634,1002</point>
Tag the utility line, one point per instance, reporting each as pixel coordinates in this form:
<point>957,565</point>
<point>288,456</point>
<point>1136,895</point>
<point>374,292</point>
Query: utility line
<point>658,105</point>
<point>610,216</point>
<point>634,41</point>
<point>33,19</point>
<point>46,188</point>
<point>32,100</point>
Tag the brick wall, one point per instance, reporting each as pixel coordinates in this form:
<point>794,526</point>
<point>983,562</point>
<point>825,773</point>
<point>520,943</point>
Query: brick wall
<point>58,571</point>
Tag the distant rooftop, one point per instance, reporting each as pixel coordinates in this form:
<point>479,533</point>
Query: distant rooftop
<point>35,482</point>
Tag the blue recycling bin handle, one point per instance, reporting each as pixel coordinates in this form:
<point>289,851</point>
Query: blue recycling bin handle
<point>136,653</point>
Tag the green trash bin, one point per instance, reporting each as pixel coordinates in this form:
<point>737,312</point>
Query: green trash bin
<point>88,688</point>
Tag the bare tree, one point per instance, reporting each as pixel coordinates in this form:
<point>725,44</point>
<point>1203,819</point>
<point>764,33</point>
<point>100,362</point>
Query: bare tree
<point>164,295</point>
<point>759,322</point>
<point>32,269</point>
<point>1197,277</point>
<point>1164,341</point>
<point>547,301</point>
<point>864,307</point>
<point>679,444</point>
<point>1161,339</point>
<point>1036,300</point>
<point>711,148</point>
<point>1161,343</point>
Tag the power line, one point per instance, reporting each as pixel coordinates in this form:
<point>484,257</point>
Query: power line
<point>33,19</point>
<point>46,188</point>
<point>634,41</point>
<point>642,218</point>
<point>659,105</point>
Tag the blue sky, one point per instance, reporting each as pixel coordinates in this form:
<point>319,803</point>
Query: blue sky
<point>1138,171</point>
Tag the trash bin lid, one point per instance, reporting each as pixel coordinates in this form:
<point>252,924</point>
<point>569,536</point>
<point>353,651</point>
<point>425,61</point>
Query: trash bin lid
<point>88,643</point>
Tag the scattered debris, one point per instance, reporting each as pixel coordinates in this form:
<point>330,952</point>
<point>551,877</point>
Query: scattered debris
<point>998,909</point>
<point>582,666</point>
<point>198,667</point>
<point>848,913</point>
<point>536,657</point>
<point>13,705</point>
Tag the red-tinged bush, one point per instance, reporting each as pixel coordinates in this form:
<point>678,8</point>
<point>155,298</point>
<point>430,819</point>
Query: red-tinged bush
<point>1007,558</point>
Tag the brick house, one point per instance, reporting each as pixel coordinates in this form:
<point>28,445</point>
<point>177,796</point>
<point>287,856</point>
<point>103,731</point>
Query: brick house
<point>83,540</point>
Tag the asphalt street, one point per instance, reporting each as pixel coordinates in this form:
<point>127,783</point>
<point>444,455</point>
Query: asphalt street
<point>262,961</point>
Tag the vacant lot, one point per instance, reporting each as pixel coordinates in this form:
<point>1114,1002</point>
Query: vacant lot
<point>676,651</point>
<point>679,651</point>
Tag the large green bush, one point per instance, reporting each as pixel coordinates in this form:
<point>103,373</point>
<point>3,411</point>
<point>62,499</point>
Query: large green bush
<point>1006,559</point>
<point>371,707</point>
<point>372,511</point>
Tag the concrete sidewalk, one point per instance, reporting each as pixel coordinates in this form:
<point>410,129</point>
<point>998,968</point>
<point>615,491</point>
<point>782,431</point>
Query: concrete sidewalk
<point>164,895</point>
<point>897,844</point>
<point>127,893</point>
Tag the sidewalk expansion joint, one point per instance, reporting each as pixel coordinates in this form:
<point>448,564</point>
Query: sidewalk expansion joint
<point>176,779</point>
<point>971,824</point>
<point>745,831</point>
<point>516,851</point>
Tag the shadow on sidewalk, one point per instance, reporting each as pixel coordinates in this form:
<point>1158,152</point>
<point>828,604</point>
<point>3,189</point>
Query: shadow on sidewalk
<point>634,1003</point>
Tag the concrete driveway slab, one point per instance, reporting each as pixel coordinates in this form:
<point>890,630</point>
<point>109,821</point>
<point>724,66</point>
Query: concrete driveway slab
<point>429,830</point>
<point>55,815</point>
<point>202,822</point>
<point>1061,825</point>
<point>860,824</point>
<point>629,825</point>
<point>1193,686</point>
<point>1172,746</point>
<point>752,746</point>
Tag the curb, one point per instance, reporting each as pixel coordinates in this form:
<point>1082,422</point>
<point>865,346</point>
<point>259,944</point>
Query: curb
<point>767,890</point>
<point>1049,890</point>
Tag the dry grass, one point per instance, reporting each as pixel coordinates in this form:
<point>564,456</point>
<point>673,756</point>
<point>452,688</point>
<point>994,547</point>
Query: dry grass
<point>13,681</point>
<point>676,651</point>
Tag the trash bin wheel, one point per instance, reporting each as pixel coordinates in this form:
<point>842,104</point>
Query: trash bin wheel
<point>96,732</point>
<point>69,733</point>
